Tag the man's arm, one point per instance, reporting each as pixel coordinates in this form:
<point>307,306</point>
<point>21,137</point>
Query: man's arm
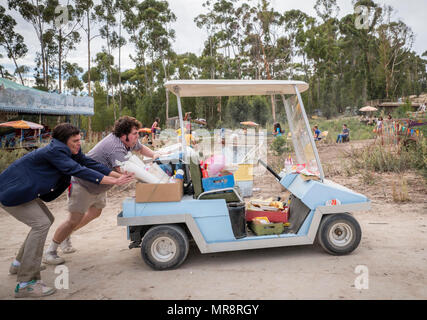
<point>145,151</point>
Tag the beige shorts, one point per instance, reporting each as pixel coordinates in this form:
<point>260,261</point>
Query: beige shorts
<point>80,200</point>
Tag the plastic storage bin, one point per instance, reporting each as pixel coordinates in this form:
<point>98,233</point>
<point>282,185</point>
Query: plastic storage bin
<point>246,188</point>
<point>245,172</point>
<point>261,229</point>
<point>237,219</point>
<point>273,216</point>
<point>215,183</point>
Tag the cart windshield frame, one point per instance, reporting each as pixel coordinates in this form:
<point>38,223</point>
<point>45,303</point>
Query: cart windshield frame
<point>301,133</point>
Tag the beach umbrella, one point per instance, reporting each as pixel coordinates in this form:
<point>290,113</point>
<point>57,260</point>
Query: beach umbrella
<point>249,124</point>
<point>368,109</point>
<point>145,130</point>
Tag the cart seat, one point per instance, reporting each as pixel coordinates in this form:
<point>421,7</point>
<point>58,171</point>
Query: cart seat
<point>229,194</point>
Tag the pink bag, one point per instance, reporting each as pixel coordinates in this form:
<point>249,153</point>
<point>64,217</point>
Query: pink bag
<point>215,164</point>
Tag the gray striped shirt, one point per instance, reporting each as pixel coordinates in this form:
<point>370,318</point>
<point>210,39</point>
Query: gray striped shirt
<point>106,151</point>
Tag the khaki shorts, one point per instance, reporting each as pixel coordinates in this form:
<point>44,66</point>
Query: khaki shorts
<point>80,200</point>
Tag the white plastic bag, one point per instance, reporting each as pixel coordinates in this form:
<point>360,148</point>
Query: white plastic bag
<point>140,172</point>
<point>157,172</point>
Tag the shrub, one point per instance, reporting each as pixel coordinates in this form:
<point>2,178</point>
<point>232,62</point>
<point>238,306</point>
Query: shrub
<point>7,157</point>
<point>279,146</point>
<point>400,193</point>
<point>390,159</point>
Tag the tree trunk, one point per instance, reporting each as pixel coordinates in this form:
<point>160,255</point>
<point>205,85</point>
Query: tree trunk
<point>219,108</point>
<point>89,119</point>
<point>120,74</point>
<point>14,61</point>
<point>60,60</point>
<point>43,57</point>
<point>273,108</point>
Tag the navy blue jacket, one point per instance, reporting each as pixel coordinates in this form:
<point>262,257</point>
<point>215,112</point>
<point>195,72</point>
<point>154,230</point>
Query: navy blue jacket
<point>45,173</point>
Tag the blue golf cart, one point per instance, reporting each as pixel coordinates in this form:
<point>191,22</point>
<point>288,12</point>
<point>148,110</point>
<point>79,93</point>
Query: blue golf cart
<point>163,230</point>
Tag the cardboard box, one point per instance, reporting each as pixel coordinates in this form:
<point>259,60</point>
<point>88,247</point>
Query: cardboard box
<point>162,192</point>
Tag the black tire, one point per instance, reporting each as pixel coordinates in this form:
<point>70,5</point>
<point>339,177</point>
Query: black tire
<point>164,247</point>
<point>339,234</point>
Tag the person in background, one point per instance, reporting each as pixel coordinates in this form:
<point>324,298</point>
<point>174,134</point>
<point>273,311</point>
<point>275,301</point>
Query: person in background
<point>277,130</point>
<point>86,199</point>
<point>317,133</point>
<point>344,134</point>
<point>43,175</point>
<point>155,128</point>
<point>380,124</point>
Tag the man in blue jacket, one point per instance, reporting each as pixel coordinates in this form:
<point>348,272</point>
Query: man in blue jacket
<point>44,174</point>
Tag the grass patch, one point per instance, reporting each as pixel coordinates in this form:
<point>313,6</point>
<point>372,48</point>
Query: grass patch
<point>7,157</point>
<point>381,159</point>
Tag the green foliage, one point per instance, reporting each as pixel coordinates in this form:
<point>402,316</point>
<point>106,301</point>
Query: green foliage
<point>358,130</point>
<point>279,146</point>
<point>344,65</point>
<point>380,159</point>
<point>7,157</point>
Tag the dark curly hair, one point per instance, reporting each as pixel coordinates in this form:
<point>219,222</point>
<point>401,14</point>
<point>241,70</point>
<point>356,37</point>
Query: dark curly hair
<point>124,125</point>
<point>64,131</point>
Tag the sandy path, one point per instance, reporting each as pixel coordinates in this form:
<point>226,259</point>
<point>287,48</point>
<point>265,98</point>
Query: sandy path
<point>393,248</point>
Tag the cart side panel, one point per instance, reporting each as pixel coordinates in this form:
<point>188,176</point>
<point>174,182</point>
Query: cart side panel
<point>211,216</point>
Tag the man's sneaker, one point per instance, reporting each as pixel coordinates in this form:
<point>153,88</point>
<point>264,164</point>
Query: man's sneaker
<point>66,246</point>
<point>34,289</point>
<point>52,258</point>
<point>14,269</point>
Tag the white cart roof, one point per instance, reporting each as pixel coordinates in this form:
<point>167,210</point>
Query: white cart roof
<point>223,88</point>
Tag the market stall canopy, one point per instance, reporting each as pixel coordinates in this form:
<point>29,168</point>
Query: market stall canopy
<point>21,124</point>
<point>18,98</point>
<point>224,88</point>
<point>368,109</point>
<point>249,124</point>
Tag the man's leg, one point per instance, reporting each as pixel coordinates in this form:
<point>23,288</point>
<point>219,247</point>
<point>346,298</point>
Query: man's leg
<point>84,207</point>
<point>36,215</point>
<point>91,214</point>
<point>79,200</point>
<point>67,227</point>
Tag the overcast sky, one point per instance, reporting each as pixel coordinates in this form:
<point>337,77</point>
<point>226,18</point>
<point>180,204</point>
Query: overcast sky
<point>189,38</point>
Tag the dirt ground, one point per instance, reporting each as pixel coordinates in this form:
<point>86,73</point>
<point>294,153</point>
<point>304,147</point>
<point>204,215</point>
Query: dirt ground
<point>392,251</point>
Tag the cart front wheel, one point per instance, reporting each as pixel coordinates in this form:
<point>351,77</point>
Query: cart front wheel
<point>164,247</point>
<point>339,234</point>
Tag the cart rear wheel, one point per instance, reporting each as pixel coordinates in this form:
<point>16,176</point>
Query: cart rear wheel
<point>339,234</point>
<point>164,247</point>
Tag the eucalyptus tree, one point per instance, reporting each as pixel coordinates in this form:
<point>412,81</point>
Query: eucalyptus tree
<point>65,29</point>
<point>86,19</point>
<point>154,41</point>
<point>295,24</point>
<point>39,13</point>
<point>122,6</point>
<point>395,41</point>
<point>105,14</point>
<point>11,41</point>
<point>262,25</point>
<point>72,73</point>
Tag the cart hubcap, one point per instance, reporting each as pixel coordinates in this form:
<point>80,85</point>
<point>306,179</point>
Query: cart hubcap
<point>163,249</point>
<point>340,234</point>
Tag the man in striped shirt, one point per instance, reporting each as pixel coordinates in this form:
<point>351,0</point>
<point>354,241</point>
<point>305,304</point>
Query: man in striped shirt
<point>86,200</point>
